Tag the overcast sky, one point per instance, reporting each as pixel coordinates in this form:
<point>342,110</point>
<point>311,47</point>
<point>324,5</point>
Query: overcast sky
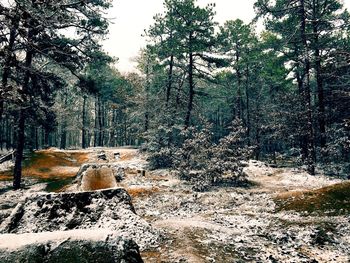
<point>131,17</point>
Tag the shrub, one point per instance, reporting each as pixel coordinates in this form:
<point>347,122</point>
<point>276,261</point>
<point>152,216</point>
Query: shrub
<point>204,163</point>
<point>159,148</point>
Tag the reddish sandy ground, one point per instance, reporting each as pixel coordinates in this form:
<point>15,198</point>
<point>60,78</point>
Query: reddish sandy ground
<point>51,163</point>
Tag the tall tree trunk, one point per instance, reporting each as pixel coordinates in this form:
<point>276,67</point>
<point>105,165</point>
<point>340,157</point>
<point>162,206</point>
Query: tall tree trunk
<point>7,62</point>
<point>63,136</point>
<point>303,140</point>
<point>100,122</point>
<point>46,137</point>
<point>146,125</point>
<point>96,122</point>
<point>125,131</point>
<point>239,110</point>
<point>248,105</point>
<point>2,133</point>
<point>17,174</point>
<point>257,134</point>
<point>64,124</point>
<point>146,121</point>
<point>190,84</point>
<point>112,141</point>
<point>239,95</point>
<point>36,139</point>
<point>307,91</point>
<point>8,58</point>
<point>83,130</point>
<point>170,80</point>
<point>104,123</point>
<point>178,94</point>
<point>319,79</point>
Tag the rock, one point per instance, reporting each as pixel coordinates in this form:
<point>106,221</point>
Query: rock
<point>93,176</point>
<point>102,156</point>
<point>116,155</point>
<point>141,172</point>
<point>119,174</point>
<point>115,250</point>
<point>50,212</point>
<point>109,209</point>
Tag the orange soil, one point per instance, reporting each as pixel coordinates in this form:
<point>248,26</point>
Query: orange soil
<point>152,256</point>
<point>47,164</point>
<point>142,192</point>
<point>98,179</point>
<point>5,175</point>
<point>127,156</point>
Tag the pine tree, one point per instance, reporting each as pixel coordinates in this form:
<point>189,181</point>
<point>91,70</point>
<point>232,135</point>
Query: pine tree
<point>184,37</point>
<point>40,39</point>
<point>301,25</point>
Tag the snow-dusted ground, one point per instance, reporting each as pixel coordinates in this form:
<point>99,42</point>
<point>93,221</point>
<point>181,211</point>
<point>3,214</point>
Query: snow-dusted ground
<point>15,241</point>
<point>225,224</point>
<point>5,166</point>
<point>241,225</point>
<point>109,211</point>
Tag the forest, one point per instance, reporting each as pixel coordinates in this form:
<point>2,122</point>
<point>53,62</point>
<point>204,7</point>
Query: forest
<point>205,99</point>
<point>286,87</point>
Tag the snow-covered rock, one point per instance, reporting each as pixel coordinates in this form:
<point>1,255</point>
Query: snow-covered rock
<point>116,249</point>
<point>109,209</point>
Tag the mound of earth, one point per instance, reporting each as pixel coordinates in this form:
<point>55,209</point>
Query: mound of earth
<point>109,209</point>
<point>97,176</point>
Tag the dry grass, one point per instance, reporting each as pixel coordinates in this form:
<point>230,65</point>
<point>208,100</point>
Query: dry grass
<point>330,200</point>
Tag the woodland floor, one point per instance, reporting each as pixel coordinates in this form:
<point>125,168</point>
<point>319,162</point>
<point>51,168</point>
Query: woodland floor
<point>285,215</point>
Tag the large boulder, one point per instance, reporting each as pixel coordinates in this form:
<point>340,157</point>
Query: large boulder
<point>100,210</point>
<point>78,251</point>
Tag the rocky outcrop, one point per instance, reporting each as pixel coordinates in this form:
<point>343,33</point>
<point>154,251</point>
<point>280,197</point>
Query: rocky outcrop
<point>109,209</point>
<point>108,251</point>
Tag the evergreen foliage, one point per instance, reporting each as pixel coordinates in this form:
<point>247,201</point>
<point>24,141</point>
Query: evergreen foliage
<point>283,91</point>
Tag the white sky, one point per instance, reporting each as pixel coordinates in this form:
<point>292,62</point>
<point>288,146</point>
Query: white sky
<point>131,17</point>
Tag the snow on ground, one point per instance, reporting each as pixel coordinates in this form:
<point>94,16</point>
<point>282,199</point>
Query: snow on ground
<point>15,241</point>
<point>5,151</point>
<point>242,225</point>
<point>225,224</point>
<point>9,198</point>
<point>278,179</point>
<point>109,209</point>
<point>5,166</point>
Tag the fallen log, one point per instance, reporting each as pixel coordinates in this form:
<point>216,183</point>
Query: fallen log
<point>9,156</point>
